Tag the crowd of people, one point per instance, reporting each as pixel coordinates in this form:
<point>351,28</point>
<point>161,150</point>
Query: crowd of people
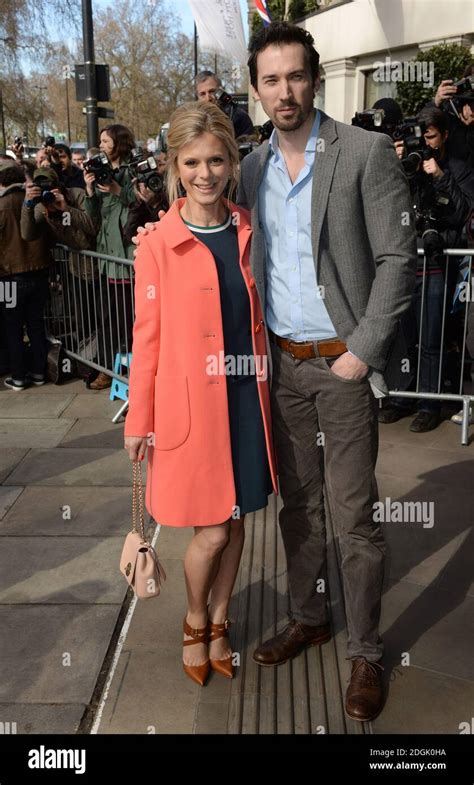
<point>104,217</point>
<point>213,276</point>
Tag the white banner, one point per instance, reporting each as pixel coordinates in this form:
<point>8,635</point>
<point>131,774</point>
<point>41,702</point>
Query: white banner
<point>220,28</point>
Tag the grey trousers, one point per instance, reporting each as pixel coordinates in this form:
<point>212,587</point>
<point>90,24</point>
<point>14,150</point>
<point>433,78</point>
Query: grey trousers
<point>326,436</point>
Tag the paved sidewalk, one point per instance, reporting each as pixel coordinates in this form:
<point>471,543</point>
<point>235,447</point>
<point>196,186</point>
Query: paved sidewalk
<point>64,510</point>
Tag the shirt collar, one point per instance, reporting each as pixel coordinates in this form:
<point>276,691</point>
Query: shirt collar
<point>310,145</point>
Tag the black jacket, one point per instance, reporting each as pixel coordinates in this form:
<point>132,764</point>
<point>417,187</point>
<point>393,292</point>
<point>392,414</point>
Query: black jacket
<point>73,177</point>
<point>457,182</point>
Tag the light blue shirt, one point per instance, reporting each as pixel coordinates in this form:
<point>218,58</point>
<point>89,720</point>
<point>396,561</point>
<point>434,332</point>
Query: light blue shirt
<point>294,304</point>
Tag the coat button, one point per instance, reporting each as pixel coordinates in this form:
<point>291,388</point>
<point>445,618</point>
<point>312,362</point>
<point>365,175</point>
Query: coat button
<point>258,328</point>
<point>252,283</point>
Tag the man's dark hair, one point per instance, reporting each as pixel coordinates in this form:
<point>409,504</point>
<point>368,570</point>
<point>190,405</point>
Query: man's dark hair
<point>64,148</point>
<point>122,138</point>
<point>469,70</point>
<point>280,33</point>
<point>11,174</point>
<point>204,75</point>
<point>435,117</point>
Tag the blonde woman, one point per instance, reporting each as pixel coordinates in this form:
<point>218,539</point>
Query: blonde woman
<point>199,401</point>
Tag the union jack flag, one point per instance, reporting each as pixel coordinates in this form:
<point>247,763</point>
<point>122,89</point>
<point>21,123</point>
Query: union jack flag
<point>263,12</point>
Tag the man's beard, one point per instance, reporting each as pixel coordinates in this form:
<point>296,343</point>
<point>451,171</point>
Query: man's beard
<point>291,123</point>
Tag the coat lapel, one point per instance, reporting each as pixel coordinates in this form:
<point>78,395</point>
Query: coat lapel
<point>325,163</point>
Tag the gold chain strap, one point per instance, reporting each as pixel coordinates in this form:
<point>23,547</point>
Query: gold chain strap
<point>137,500</point>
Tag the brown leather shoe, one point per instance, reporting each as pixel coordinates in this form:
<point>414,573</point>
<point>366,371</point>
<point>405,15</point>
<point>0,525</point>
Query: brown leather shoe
<point>101,383</point>
<point>224,667</point>
<point>197,673</point>
<point>290,642</point>
<point>364,697</point>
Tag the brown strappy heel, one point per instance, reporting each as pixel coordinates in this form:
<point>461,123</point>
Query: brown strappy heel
<point>197,673</point>
<point>216,631</point>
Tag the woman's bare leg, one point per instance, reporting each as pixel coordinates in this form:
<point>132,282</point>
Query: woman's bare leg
<point>201,565</point>
<point>223,585</point>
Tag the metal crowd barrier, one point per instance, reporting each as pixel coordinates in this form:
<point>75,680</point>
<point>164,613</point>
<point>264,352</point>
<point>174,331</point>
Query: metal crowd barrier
<point>461,295</point>
<point>91,310</point>
<point>92,315</point>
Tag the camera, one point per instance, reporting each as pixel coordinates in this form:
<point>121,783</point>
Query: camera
<point>411,132</point>
<point>50,141</point>
<point>464,95</point>
<point>225,102</point>
<point>47,197</point>
<point>144,168</point>
<point>264,131</point>
<point>374,120</point>
<point>247,147</point>
<point>464,86</point>
<point>99,165</point>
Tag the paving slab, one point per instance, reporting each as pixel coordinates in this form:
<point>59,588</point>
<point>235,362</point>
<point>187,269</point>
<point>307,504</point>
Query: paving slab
<point>447,435</point>
<point>60,570</point>
<point>449,467</point>
<point>157,623</point>
<point>423,701</point>
<point>420,552</point>
<point>9,458</point>
<point>8,497</point>
<point>154,696</point>
<point>94,432</point>
<point>23,432</point>
<point>98,511</point>
<point>42,718</point>
<point>19,404</point>
<point>93,403</point>
<point>72,387</point>
<point>73,466</point>
<point>433,625</point>
<point>42,640</point>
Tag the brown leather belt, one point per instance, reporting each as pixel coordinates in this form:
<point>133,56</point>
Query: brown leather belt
<point>307,350</point>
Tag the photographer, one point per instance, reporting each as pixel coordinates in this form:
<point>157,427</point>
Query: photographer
<point>109,196</point>
<point>25,267</point>
<point>70,175</point>
<point>208,89</point>
<point>146,209</point>
<point>456,100</point>
<point>38,217</point>
<point>442,188</point>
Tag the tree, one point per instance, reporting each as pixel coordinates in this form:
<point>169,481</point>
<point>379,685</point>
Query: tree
<point>449,62</point>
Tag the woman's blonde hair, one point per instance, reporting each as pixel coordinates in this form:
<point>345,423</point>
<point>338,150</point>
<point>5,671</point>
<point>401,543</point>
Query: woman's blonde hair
<point>187,123</point>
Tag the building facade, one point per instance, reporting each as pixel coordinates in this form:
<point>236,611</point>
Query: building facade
<point>354,37</point>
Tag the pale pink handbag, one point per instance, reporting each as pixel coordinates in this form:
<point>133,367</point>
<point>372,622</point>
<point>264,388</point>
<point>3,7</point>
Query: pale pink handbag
<point>139,562</point>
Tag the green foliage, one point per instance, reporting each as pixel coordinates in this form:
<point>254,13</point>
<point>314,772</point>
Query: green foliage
<point>449,61</point>
<point>297,10</point>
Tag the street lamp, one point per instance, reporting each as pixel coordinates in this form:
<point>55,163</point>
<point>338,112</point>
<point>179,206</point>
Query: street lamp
<point>67,73</point>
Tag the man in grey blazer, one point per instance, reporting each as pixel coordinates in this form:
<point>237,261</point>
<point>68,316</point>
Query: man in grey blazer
<point>334,258</point>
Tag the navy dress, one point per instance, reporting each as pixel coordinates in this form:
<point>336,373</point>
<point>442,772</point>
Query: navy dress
<point>249,453</point>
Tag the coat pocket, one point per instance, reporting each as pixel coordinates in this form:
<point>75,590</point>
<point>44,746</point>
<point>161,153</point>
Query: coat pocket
<point>172,416</point>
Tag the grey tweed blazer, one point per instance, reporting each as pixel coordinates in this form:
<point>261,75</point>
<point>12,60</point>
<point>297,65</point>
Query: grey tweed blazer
<point>364,242</point>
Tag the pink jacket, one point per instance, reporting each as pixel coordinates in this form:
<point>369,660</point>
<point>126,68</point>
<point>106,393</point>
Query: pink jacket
<point>172,398</point>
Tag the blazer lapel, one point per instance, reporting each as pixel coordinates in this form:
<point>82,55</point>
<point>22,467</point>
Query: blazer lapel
<point>325,163</point>
<point>258,252</point>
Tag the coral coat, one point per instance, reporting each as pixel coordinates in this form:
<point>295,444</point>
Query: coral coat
<point>173,400</point>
